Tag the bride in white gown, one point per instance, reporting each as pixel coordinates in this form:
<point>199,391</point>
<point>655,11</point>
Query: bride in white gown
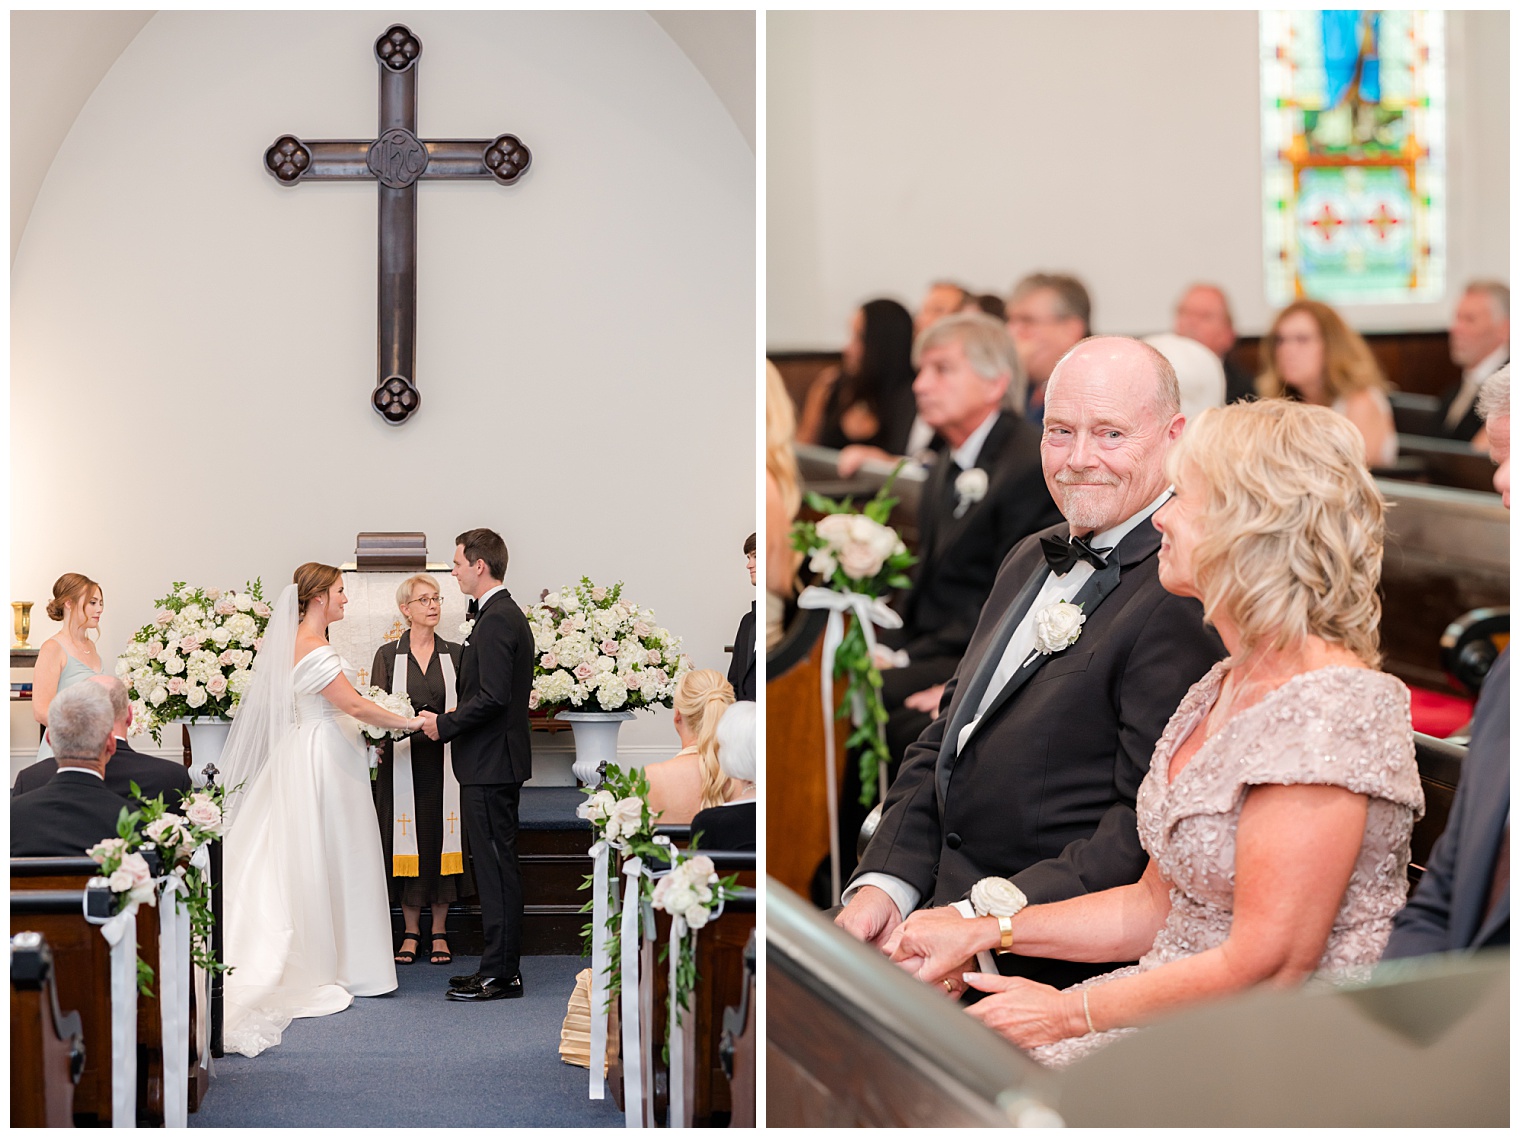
<point>306,911</point>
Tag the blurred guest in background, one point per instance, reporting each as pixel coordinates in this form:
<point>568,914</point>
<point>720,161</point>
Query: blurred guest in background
<point>1200,375</point>
<point>868,399</point>
<point>942,299</point>
<point>1048,313</point>
<point>1203,314</point>
<point>1479,346</point>
<point>741,669</point>
<point>1317,357</point>
<point>731,825</point>
<point>783,498</point>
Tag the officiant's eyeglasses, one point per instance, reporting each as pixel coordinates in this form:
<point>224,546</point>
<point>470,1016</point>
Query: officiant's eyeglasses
<point>429,601</point>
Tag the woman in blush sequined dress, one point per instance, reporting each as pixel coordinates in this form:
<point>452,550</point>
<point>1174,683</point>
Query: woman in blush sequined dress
<point>1280,799</point>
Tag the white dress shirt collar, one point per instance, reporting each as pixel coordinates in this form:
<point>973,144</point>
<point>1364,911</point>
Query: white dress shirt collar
<point>968,452</point>
<point>480,603</point>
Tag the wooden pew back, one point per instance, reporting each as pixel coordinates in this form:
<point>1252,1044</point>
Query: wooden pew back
<point>1440,765</point>
<point>47,1047</point>
<point>737,1050</point>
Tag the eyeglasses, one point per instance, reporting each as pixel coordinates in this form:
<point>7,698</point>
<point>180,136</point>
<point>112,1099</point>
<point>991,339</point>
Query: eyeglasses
<point>428,601</point>
<point>1298,341</point>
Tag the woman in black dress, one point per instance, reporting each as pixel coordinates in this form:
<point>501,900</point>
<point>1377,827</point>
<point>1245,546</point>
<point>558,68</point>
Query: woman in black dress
<point>435,872</point>
<point>868,400</point>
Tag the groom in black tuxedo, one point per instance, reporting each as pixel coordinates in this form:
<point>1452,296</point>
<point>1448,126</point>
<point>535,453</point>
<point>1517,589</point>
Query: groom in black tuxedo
<point>492,756</point>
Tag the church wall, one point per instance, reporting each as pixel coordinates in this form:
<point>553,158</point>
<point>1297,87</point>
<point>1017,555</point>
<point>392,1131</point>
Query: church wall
<point>193,345</point>
<point>1122,146</point>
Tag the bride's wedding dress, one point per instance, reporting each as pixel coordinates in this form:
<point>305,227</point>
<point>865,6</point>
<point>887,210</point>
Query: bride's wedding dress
<point>306,911</point>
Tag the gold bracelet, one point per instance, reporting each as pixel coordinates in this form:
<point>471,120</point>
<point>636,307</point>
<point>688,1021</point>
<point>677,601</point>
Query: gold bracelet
<point>1005,937</point>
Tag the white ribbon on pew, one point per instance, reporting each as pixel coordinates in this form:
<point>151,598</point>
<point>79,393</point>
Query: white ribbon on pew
<point>120,932</point>
<point>868,612</point>
<point>633,1074</point>
<point>174,998</point>
<point>599,964</point>
<point>677,1031</point>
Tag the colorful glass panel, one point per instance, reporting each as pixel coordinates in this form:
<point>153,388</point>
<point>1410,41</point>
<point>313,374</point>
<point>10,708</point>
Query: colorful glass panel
<point>1353,156</point>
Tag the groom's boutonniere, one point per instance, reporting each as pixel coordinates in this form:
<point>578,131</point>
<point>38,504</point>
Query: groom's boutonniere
<point>1057,626</point>
<point>466,628</point>
<point>970,488</point>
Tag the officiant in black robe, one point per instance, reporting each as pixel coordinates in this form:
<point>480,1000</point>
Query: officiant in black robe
<point>425,686</point>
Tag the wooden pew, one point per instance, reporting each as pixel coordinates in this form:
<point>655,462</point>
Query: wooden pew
<point>47,1047</point>
<point>737,1050</point>
<point>1440,765</point>
<point>78,985</point>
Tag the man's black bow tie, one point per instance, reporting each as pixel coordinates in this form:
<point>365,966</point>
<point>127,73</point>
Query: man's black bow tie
<point>472,610</point>
<point>1061,555</point>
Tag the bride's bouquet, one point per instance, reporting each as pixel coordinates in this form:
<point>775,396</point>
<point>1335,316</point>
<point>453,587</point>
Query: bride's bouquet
<point>598,652</point>
<point>398,702</point>
<point>194,659</point>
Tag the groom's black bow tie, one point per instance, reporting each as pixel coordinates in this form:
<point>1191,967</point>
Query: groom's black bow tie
<point>1061,555</point>
<point>472,610</point>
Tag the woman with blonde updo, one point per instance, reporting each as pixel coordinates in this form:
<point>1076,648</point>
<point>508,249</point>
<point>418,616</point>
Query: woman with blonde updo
<point>308,923</point>
<point>1281,796</point>
<point>1319,358</point>
<point>70,655</point>
<point>435,879</point>
<point>692,779</point>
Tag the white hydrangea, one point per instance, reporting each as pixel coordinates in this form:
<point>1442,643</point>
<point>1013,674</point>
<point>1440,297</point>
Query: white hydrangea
<point>238,681</point>
<point>611,693</point>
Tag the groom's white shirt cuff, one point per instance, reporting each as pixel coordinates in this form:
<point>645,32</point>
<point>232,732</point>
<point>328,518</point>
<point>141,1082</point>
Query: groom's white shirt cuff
<point>903,895</point>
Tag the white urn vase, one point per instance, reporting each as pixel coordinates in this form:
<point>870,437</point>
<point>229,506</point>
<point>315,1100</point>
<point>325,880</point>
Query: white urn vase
<point>596,735</point>
<point>207,739</point>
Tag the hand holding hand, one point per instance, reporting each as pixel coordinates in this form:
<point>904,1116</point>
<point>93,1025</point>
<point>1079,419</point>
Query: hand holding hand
<point>935,943</point>
<point>429,725</point>
<point>1026,1013</point>
<point>870,916</point>
<point>927,700</point>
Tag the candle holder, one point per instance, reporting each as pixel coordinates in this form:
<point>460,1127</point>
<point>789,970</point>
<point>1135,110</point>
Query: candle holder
<point>23,611</point>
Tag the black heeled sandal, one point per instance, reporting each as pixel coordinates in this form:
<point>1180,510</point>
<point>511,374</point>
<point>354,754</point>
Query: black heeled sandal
<point>407,955</point>
<point>437,957</point>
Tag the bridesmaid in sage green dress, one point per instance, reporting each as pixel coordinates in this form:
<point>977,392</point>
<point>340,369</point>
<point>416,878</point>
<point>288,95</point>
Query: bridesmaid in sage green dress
<point>70,655</point>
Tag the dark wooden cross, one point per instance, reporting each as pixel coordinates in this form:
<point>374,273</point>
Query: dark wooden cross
<point>397,159</point>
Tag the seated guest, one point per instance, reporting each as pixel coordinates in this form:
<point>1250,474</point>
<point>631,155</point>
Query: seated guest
<point>691,780</point>
<point>783,498</point>
<point>1203,314</point>
<point>1031,767</point>
<point>990,303</point>
<point>741,669</point>
<point>1280,799</point>
<point>1200,375</point>
<point>968,373</point>
<point>75,809</point>
<point>1479,337</point>
<point>70,656</point>
<point>153,776</point>
<point>1048,313</point>
<point>1317,357</point>
<point>943,299</point>
<point>868,399</point>
<point>1462,902</point>
<point>731,825</point>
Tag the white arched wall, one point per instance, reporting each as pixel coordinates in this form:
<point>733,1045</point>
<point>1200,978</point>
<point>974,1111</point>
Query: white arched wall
<point>193,344</point>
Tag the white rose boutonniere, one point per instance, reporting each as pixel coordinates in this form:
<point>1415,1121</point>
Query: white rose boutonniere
<point>1057,626</point>
<point>970,488</point>
<point>997,897</point>
<point>466,628</point>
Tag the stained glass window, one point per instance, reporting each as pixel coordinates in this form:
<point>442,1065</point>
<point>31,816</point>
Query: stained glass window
<point>1353,135</point>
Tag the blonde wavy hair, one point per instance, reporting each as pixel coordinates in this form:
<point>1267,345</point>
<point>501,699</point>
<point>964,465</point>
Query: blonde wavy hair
<point>780,434</point>
<point>1292,527</point>
<point>702,696</point>
<point>1349,363</point>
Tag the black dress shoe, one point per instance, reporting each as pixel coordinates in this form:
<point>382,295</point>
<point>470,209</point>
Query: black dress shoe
<point>490,988</point>
<point>465,981</point>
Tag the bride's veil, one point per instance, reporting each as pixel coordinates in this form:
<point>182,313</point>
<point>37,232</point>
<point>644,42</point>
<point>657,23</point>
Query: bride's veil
<point>267,711</point>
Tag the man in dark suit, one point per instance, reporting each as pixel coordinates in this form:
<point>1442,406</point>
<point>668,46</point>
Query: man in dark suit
<point>984,494</point>
<point>1479,336</point>
<point>492,756</point>
<point>1462,902</point>
<point>153,776</point>
<point>1203,314</point>
<point>75,809</point>
<point>1030,771</point>
<point>741,669</point>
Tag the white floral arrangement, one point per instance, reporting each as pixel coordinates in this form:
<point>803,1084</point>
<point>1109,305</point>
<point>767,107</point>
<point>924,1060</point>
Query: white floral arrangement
<point>1057,626</point>
<point>194,659</point>
<point>856,544</point>
<point>616,819</point>
<point>398,702</point>
<point>688,892</point>
<point>970,488</point>
<point>126,870</point>
<point>594,648</point>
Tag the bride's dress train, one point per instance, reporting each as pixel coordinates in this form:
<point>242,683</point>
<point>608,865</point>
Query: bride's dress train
<point>307,914</point>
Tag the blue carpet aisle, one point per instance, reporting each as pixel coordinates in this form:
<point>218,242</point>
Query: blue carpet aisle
<point>413,1058</point>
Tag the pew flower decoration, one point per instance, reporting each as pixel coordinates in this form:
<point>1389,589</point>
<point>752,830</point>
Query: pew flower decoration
<point>194,659</point>
<point>618,810</point>
<point>130,877</point>
<point>861,559</point>
<point>693,894</point>
<point>595,651</point>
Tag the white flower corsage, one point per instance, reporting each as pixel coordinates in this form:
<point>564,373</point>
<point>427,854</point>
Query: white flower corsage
<point>997,897</point>
<point>466,628</point>
<point>1057,626</point>
<point>970,488</point>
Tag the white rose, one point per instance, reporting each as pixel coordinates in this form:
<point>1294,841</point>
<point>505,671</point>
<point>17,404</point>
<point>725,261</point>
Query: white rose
<point>625,818</point>
<point>196,696</point>
<point>244,601</point>
<point>697,917</point>
<point>597,806</point>
<point>678,896</point>
<point>551,600</point>
<point>221,637</point>
<point>158,697</point>
<point>569,602</point>
<point>1057,626</point>
<point>174,663</point>
<point>997,897</point>
<point>970,488</point>
<point>861,545</point>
